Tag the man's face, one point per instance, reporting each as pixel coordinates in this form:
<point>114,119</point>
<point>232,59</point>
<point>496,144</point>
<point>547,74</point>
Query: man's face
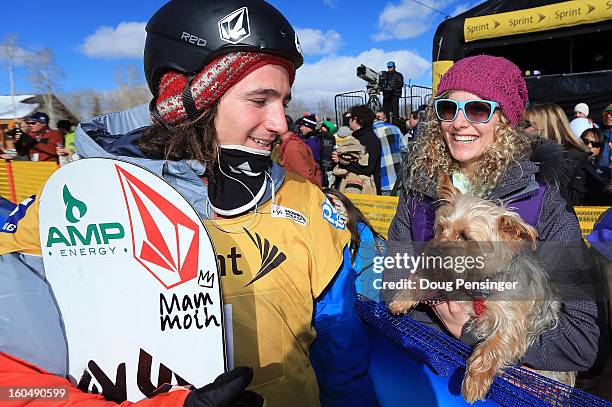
<point>35,127</point>
<point>579,114</point>
<point>412,122</point>
<point>381,116</point>
<point>353,124</point>
<point>305,129</point>
<point>607,118</point>
<point>252,112</point>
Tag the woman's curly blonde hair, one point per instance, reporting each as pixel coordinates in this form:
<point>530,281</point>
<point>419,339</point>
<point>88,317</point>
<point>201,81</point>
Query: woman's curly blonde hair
<point>430,156</point>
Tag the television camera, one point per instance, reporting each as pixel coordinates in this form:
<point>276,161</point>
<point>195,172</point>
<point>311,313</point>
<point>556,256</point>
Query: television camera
<point>376,82</point>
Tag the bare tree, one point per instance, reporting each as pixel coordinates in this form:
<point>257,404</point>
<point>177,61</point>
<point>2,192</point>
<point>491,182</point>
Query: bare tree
<point>45,74</point>
<point>131,90</point>
<point>296,108</point>
<point>12,54</point>
<point>96,104</point>
<point>323,109</point>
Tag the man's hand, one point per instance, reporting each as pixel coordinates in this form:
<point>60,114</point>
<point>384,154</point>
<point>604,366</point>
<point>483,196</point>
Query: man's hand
<point>453,316</point>
<point>228,390</point>
<point>335,156</point>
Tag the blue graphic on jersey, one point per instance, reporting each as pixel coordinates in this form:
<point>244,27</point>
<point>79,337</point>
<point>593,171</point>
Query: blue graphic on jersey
<point>11,222</point>
<point>332,216</point>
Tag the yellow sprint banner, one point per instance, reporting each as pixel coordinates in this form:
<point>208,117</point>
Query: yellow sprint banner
<point>380,211</point>
<point>439,68</point>
<point>552,16</point>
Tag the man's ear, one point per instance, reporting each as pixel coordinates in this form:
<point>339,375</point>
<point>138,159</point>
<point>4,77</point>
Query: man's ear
<point>445,189</point>
<point>512,228</point>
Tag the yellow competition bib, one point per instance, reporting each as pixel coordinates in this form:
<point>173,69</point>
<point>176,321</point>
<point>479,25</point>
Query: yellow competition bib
<point>272,268</point>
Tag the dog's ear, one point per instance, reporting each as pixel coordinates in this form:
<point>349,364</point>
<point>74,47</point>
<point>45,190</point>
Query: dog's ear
<point>513,228</point>
<point>445,189</point>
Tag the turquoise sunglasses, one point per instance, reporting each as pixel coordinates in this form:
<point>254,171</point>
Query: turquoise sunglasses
<point>475,111</point>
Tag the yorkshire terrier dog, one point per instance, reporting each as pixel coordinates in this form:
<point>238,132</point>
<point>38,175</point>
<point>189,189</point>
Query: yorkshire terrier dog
<point>505,322</point>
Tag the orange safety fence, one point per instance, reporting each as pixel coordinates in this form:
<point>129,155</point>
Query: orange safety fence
<point>21,179</point>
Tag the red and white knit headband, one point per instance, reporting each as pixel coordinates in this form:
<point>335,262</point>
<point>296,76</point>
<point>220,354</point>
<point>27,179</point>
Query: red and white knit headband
<point>211,83</point>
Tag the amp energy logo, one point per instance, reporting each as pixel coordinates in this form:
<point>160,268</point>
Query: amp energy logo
<point>82,239</point>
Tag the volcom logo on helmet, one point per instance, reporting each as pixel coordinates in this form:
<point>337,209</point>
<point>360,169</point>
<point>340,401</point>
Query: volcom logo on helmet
<point>235,26</point>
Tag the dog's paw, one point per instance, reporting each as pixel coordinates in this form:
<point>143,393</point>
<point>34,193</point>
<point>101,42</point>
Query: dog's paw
<point>476,385</point>
<point>401,307</point>
<point>479,375</point>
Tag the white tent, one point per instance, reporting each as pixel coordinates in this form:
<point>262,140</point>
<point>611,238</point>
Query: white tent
<point>21,109</point>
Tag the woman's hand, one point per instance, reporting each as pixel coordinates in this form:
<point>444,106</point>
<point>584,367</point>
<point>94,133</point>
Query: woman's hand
<point>452,314</point>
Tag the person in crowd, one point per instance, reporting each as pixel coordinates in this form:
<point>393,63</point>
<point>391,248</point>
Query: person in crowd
<point>296,157</point>
<point>208,132</point>
<point>381,115</point>
<point>472,137</point>
<point>581,110</point>
<point>328,143</point>
<point>360,121</point>
<point>606,128</point>
<point>597,178</point>
<point>327,126</point>
<point>349,154</point>
<point>415,124</point>
<point>400,123</point>
<point>549,122</point>
<point>68,131</point>
<point>310,135</point>
<point>579,125</point>
<point>39,141</point>
<point>390,137</point>
<point>392,87</point>
<point>344,130</point>
<point>366,243</point>
<point>67,152</point>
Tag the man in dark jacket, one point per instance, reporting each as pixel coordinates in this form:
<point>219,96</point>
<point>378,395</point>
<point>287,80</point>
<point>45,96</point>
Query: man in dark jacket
<point>393,84</point>
<point>310,135</point>
<point>361,120</point>
<point>328,142</point>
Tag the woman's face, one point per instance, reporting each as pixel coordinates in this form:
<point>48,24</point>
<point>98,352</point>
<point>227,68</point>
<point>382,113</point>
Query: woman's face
<point>467,141</point>
<point>252,112</point>
<point>588,139</point>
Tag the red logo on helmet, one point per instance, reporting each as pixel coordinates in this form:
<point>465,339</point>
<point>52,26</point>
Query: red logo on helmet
<point>165,240</point>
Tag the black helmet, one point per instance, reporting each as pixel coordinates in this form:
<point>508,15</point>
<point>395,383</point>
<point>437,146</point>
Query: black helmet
<point>185,35</point>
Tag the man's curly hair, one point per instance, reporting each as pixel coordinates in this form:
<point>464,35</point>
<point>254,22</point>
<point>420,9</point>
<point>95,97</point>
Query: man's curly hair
<point>430,157</point>
<point>191,141</point>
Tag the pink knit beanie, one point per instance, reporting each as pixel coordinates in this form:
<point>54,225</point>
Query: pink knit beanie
<point>491,78</point>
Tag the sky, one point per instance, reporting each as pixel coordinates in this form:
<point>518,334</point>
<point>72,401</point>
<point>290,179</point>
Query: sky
<point>91,40</point>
